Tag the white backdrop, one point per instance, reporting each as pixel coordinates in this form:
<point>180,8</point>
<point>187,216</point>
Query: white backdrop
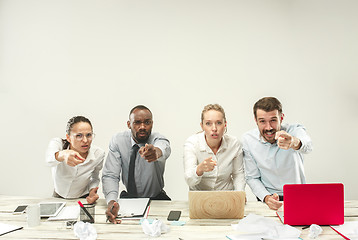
<point>100,58</point>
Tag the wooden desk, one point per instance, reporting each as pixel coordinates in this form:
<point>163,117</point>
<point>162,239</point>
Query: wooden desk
<point>130,229</point>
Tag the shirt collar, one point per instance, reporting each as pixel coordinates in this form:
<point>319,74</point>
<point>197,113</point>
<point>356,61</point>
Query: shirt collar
<point>262,139</point>
<point>134,143</point>
<point>90,155</point>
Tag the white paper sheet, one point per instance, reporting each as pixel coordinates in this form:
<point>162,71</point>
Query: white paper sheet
<point>6,228</point>
<point>67,213</point>
<point>132,207</point>
<point>348,229</point>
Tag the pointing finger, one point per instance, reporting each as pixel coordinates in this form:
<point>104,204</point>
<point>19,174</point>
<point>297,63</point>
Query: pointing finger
<point>278,134</point>
<point>149,146</point>
<point>79,157</point>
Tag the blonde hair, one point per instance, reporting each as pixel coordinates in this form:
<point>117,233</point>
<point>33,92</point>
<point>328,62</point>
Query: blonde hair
<point>215,107</point>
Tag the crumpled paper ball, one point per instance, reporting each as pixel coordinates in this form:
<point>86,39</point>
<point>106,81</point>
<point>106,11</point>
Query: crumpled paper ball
<point>315,230</point>
<point>155,229</point>
<point>85,231</point>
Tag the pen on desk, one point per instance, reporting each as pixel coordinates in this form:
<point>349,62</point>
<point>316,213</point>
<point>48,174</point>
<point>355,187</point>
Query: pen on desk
<point>110,212</point>
<point>86,212</point>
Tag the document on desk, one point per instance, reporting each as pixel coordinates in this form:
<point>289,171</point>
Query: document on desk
<point>258,227</point>
<point>348,230</point>
<point>256,237</point>
<point>7,228</point>
<point>67,213</point>
<point>133,207</point>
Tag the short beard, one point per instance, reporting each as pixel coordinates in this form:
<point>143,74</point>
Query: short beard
<point>142,140</point>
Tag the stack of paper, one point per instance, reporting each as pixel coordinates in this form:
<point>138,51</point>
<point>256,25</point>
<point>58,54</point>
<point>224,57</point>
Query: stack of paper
<point>6,228</point>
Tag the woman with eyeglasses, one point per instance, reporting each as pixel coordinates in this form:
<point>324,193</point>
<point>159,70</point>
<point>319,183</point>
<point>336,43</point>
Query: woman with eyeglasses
<point>75,161</point>
<point>213,160</point>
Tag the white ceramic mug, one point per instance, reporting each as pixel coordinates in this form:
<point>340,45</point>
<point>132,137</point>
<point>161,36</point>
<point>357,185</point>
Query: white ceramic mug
<point>33,215</point>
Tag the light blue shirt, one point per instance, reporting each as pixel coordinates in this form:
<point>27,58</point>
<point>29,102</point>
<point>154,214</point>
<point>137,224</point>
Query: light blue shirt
<point>148,175</point>
<point>268,167</point>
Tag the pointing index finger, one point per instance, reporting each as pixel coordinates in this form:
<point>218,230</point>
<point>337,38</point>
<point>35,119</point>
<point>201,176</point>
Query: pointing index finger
<point>282,134</point>
<point>278,134</point>
<point>79,157</point>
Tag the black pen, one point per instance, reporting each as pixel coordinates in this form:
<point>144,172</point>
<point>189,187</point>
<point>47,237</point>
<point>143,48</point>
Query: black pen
<point>110,212</point>
<point>86,212</point>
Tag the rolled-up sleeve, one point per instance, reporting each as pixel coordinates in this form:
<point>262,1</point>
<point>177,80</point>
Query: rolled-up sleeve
<point>111,172</point>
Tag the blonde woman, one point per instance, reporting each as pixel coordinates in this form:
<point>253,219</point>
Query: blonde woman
<point>213,160</point>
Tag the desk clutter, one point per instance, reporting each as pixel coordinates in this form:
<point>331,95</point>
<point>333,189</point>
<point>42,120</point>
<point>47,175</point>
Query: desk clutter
<point>258,222</point>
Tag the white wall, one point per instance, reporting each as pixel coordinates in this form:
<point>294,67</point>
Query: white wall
<point>100,58</point>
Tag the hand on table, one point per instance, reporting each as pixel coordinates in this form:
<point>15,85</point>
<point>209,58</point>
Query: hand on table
<point>112,212</point>
<point>273,201</point>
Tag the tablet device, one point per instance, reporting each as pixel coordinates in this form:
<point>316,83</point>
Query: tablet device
<point>51,209</point>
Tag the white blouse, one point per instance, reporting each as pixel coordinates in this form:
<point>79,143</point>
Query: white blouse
<point>228,174</point>
<point>74,182</point>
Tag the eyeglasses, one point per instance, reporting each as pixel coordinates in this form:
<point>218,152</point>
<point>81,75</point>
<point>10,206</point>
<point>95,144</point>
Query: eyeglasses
<point>79,136</point>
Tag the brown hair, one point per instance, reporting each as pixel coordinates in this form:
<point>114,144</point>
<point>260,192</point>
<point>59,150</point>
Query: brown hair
<point>69,126</point>
<point>215,107</point>
<point>268,104</point>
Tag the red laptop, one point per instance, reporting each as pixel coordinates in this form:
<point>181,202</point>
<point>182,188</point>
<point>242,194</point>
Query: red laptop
<point>306,204</point>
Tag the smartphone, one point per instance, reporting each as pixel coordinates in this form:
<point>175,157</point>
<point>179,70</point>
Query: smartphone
<point>174,215</point>
<point>20,209</point>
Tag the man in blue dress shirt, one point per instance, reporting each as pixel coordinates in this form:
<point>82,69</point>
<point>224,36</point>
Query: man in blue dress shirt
<point>137,157</point>
<point>273,153</point>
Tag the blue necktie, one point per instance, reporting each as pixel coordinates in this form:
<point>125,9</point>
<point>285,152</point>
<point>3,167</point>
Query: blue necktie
<point>132,189</point>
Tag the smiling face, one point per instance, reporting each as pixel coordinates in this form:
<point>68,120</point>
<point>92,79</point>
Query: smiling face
<point>140,123</point>
<point>268,123</point>
<point>213,124</point>
<point>77,144</point>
